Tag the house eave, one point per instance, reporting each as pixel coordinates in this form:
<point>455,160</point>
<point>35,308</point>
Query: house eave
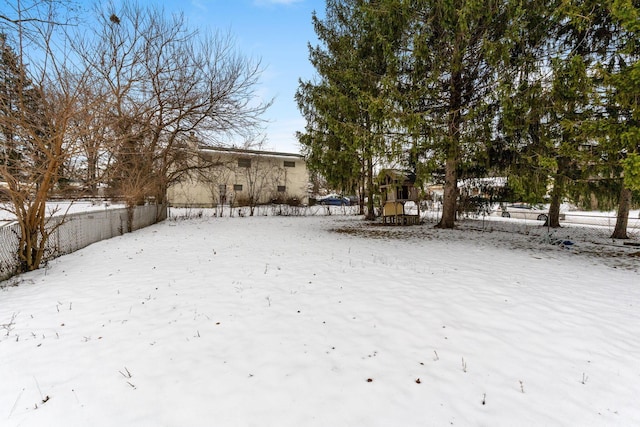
<point>249,152</point>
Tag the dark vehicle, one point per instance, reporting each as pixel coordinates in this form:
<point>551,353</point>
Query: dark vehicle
<point>334,200</point>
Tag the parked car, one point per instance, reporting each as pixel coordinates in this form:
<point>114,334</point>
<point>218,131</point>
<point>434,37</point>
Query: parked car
<point>334,200</point>
<point>526,211</point>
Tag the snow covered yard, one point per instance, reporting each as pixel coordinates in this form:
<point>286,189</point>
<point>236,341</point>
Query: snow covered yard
<point>323,321</point>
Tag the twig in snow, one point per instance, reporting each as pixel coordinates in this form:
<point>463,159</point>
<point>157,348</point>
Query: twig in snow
<point>464,365</point>
<point>38,387</point>
<point>9,326</point>
<point>521,386</point>
<point>437,357</point>
<point>43,399</point>
<point>584,378</point>
<point>127,375</point>
<point>13,408</point>
<point>484,399</point>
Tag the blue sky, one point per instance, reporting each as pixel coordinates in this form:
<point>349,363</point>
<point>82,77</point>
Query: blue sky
<point>277,32</point>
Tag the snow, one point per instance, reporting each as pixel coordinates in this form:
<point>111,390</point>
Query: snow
<point>324,321</point>
<point>62,207</point>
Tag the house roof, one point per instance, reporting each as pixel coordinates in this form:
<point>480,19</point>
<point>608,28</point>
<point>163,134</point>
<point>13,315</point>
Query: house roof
<point>249,152</point>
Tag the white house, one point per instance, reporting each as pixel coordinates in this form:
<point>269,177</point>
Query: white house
<point>241,177</point>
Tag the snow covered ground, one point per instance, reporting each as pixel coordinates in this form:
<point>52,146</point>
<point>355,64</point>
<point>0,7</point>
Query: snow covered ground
<point>325,321</point>
<point>61,208</point>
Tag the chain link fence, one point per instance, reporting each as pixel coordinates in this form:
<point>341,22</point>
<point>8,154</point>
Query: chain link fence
<point>9,240</point>
<point>73,232</point>
<point>597,226</point>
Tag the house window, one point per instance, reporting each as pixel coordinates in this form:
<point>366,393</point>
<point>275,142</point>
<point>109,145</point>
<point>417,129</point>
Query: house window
<point>289,164</point>
<point>282,188</point>
<point>244,163</point>
<point>237,187</point>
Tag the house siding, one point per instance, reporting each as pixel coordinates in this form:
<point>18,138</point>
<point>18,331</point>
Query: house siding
<point>261,174</point>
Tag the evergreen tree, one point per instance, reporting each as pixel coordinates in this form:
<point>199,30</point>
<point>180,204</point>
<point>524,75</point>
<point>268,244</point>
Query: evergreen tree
<point>619,128</point>
<point>346,107</point>
<point>592,103</point>
<point>18,108</point>
<point>559,107</point>
<point>519,144</point>
<point>570,101</point>
<point>455,50</point>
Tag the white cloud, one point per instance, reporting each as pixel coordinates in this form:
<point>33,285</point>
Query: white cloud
<point>199,5</point>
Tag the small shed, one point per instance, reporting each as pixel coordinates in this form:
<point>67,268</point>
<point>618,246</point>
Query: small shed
<point>397,187</point>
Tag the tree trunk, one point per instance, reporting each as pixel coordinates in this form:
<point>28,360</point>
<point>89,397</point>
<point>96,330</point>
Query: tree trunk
<point>92,175</point>
<point>162,202</point>
<point>32,216</point>
<point>449,203</point>
<point>131,208</point>
<point>362,190</point>
<point>450,194</point>
<point>553,219</point>
<point>620,232</point>
<point>371,215</point>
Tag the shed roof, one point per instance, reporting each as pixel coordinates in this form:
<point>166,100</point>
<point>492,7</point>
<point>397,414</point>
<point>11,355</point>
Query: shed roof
<point>403,176</point>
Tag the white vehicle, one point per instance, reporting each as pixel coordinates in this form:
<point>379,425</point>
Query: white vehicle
<point>526,211</point>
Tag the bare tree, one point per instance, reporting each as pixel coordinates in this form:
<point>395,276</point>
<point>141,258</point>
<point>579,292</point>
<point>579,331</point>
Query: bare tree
<point>260,173</point>
<point>29,20</point>
<point>37,104</point>
<point>89,133</point>
<point>215,173</point>
<point>163,83</point>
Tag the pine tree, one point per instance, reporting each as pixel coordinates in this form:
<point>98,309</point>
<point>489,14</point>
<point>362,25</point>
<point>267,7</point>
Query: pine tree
<point>18,108</point>
<point>594,102</point>
<point>455,51</point>
<point>519,146</point>
<point>621,122</point>
<point>346,108</point>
